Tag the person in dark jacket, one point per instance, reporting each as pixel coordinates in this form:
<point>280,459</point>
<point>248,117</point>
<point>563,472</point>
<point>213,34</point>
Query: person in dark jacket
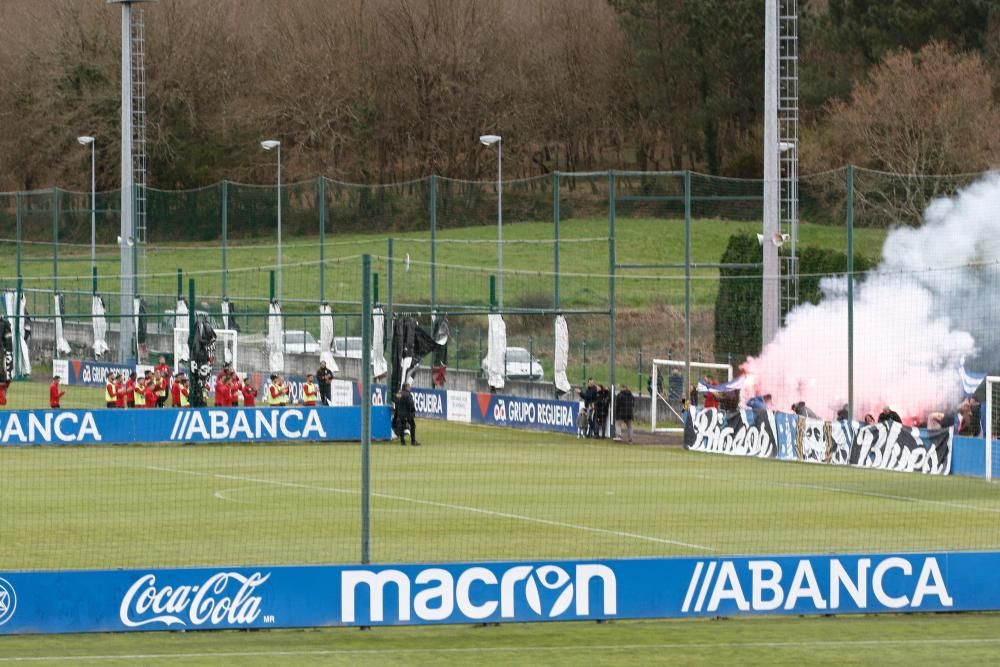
<point>406,411</point>
<point>589,397</point>
<point>602,406</point>
<point>324,376</point>
<point>625,413</point>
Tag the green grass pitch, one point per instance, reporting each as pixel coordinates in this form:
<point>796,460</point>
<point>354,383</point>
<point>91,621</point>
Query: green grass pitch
<point>477,493</point>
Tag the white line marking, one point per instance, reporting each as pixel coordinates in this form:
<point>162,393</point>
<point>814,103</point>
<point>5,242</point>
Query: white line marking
<point>821,644</point>
<point>874,494</point>
<point>432,503</point>
<point>221,495</point>
<point>888,496</point>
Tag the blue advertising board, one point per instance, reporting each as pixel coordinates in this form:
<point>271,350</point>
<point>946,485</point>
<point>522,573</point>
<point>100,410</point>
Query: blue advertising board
<point>520,412</point>
<point>353,595</point>
<point>189,425</point>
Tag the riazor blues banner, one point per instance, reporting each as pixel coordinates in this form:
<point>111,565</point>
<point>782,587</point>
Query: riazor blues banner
<point>348,595</point>
<point>885,446</point>
<point>189,425</point>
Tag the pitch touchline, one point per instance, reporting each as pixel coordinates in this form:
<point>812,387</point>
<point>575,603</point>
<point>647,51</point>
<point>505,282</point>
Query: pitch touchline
<point>432,503</point>
<point>889,496</point>
<point>833,644</point>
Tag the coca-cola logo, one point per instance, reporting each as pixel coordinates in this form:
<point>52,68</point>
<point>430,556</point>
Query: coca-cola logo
<point>225,598</point>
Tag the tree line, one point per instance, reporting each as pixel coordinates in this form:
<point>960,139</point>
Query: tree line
<point>387,90</point>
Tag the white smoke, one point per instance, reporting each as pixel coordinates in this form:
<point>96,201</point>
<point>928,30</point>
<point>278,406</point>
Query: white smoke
<point>932,302</point>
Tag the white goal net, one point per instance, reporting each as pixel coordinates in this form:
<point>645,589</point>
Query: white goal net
<point>666,398</point>
<point>992,419</point>
<point>226,349</point>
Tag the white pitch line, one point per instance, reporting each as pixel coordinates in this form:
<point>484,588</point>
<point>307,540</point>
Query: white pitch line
<point>819,644</point>
<point>889,496</point>
<point>221,495</point>
<point>432,503</point>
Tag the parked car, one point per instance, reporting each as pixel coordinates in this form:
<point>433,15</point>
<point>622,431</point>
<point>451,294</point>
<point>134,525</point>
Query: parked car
<point>520,365</point>
<point>300,342</point>
<point>347,346</point>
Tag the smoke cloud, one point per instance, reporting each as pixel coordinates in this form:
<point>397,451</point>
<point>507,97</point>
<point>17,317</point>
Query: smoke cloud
<point>932,302</point>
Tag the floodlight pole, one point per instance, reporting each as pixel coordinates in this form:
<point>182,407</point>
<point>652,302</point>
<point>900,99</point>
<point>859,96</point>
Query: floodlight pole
<point>771,311</point>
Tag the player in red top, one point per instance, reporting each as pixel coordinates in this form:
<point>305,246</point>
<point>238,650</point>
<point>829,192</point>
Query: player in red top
<point>149,393</point>
<point>162,367</point>
<point>130,390</point>
<point>109,391</point>
<point>54,393</point>
<point>119,391</point>
<point>223,393</point>
<point>175,391</point>
<point>249,394</point>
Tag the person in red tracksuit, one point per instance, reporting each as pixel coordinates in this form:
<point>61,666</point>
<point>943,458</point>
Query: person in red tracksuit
<point>119,391</point>
<point>249,395</point>
<point>223,393</point>
<point>110,397</point>
<point>175,391</point>
<point>130,390</point>
<point>54,393</point>
<point>149,393</point>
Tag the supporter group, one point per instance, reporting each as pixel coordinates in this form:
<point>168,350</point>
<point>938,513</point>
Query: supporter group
<point>160,387</point>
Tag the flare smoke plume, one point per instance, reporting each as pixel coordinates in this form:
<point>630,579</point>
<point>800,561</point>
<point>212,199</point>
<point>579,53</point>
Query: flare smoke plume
<point>932,302</point>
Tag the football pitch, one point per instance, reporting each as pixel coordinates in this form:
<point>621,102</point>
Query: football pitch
<point>479,493</point>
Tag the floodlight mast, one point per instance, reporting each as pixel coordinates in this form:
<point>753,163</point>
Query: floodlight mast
<point>128,232</point>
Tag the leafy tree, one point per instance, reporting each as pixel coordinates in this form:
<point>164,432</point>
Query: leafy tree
<point>739,303</point>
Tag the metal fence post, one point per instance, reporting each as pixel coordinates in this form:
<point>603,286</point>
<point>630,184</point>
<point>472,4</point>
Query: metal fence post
<point>321,204</point>
<point>17,232</point>
<point>687,280</point>
<point>612,262</point>
<point>555,251</point>
<point>366,405</point>
<point>225,236</point>
<point>55,239</point>
<point>850,291</point>
<point>433,213</point>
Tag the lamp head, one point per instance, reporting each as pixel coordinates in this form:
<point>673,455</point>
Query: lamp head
<point>85,141</point>
<point>489,139</point>
<point>269,144</point>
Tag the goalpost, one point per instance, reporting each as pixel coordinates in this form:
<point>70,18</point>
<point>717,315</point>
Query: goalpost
<point>656,396</point>
<point>990,430</point>
<point>226,348</point>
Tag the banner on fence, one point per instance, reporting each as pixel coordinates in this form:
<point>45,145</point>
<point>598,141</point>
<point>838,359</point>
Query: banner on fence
<point>535,413</point>
<point>260,597</point>
<point>218,425</point>
<point>884,445</point>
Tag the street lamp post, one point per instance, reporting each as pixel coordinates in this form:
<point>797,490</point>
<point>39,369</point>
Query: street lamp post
<point>489,140</point>
<point>268,145</point>
<point>89,141</point>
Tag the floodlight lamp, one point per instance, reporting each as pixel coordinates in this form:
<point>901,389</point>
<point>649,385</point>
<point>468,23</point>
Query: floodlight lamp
<point>85,141</point>
<point>269,144</point>
<point>784,146</point>
<point>778,240</point>
<point>489,139</point>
